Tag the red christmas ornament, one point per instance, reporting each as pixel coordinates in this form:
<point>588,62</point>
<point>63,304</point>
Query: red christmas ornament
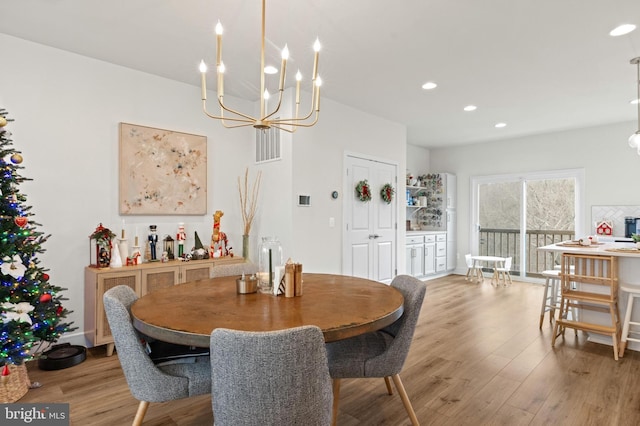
<point>45,277</point>
<point>59,310</point>
<point>45,298</point>
<point>20,221</point>
<point>5,370</point>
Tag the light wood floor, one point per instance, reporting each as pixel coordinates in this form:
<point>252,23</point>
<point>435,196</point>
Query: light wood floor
<point>477,358</point>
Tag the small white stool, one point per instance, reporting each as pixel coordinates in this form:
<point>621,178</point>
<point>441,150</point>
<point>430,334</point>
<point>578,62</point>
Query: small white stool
<point>634,292</point>
<point>551,296</point>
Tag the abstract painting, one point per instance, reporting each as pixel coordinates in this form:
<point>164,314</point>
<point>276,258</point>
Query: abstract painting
<point>162,172</point>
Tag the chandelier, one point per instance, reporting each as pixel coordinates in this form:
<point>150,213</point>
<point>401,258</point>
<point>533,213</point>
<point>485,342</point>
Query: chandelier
<point>634,140</point>
<point>266,119</point>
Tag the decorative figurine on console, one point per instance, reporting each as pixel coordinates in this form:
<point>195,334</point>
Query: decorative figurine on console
<point>181,237</point>
<point>153,242</point>
<point>219,240</point>
<point>136,256</point>
<point>102,237</point>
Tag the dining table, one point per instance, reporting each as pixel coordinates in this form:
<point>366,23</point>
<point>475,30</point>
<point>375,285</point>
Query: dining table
<point>496,261</point>
<point>341,306</point>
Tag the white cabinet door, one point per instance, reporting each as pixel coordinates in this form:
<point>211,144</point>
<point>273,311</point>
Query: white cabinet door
<point>451,190</point>
<point>429,258</point>
<point>415,260</point>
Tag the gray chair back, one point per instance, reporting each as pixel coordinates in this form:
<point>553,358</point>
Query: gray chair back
<point>391,361</point>
<point>381,353</point>
<point>147,381</point>
<point>270,378</point>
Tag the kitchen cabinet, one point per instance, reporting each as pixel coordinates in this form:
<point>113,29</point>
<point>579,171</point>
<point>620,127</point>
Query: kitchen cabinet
<point>415,255</point>
<point>143,279</point>
<point>429,254</point>
<point>441,252</point>
<point>426,254</point>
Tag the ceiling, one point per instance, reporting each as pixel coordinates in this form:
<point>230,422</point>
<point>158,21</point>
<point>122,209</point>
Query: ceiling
<point>537,65</point>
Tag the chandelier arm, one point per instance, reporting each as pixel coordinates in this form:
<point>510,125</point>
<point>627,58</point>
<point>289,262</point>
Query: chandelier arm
<point>277,107</point>
<point>637,62</point>
<point>243,120</point>
<point>287,122</point>
<point>233,111</point>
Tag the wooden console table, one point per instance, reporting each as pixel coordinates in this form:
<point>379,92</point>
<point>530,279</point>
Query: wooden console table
<point>143,279</point>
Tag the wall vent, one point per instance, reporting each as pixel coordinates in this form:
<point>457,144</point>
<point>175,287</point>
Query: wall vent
<point>267,145</point>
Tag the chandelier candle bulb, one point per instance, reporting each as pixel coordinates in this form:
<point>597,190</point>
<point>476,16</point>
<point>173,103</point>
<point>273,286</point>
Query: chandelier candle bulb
<point>203,79</point>
<point>283,67</point>
<point>218,43</point>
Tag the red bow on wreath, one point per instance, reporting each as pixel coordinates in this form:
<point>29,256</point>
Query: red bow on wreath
<point>387,192</point>
<point>363,191</point>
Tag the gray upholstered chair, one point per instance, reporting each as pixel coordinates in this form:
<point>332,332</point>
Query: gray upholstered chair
<point>270,378</point>
<point>147,381</point>
<point>381,353</point>
<point>246,268</point>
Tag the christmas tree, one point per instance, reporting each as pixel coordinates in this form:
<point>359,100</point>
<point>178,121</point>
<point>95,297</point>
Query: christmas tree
<point>30,306</point>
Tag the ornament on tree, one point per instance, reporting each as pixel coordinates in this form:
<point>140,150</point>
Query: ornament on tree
<point>45,298</point>
<point>3,121</point>
<point>16,158</point>
<point>21,221</point>
<point>45,277</point>
<point>5,374</point>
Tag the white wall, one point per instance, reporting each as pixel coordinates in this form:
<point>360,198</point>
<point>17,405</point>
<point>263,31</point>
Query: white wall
<point>318,170</point>
<point>67,109</point>
<point>612,169</point>
<point>418,161</point>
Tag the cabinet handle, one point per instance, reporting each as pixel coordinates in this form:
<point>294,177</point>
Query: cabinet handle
<point>374,236</point>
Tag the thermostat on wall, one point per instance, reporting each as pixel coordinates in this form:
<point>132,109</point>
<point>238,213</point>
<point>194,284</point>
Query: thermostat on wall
<point>304,200</point>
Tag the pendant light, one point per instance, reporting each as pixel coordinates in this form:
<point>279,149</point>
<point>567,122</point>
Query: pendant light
<point>634,140</point>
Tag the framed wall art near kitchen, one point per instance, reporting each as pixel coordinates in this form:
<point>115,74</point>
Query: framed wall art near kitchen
<point>162,172</point>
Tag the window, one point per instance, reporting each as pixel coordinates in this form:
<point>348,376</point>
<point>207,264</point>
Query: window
<point>514,214</point>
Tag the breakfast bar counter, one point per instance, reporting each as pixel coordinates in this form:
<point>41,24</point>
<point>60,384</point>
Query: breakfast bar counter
<point>628,263</point>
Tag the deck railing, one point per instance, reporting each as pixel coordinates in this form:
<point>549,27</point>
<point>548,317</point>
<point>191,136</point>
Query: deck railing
<point>506,243</point>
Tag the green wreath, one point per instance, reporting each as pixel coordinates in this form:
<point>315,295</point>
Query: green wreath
<point>387,192</point>
<point>363,191</point>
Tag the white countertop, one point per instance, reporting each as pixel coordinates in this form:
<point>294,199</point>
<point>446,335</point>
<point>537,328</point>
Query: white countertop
<point>600,249</point>
<point>424,232</point>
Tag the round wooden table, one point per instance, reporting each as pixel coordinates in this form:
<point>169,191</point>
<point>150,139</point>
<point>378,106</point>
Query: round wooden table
<point>341,306</point>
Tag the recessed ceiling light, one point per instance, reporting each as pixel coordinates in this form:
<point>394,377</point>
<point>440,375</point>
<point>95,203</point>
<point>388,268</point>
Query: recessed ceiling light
<point>470,108</point>
<point>429,85</point>
<point>622,30</point>
<point>269,69</point>
<point>500,125</point>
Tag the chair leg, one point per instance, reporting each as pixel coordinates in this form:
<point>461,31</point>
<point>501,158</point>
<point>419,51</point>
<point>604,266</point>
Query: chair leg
<point>405,399</point>
<point>388,383</point>
<point>336,399</point>
<point>142,410</point>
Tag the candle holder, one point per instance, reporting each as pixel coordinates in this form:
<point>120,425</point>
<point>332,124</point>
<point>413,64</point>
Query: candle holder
<point>271,260</point>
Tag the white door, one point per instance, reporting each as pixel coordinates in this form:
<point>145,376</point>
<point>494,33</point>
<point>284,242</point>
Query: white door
<point>370,242</point>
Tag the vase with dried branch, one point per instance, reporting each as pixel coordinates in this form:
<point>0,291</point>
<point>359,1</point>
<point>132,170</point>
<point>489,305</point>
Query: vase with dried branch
<point>248,206</point>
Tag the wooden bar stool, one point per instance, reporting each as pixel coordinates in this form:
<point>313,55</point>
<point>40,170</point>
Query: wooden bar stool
<point>551,295</point>
<point>634,292</point>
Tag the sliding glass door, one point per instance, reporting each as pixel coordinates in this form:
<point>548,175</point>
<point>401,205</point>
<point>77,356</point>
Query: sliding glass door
<point>515,214</point>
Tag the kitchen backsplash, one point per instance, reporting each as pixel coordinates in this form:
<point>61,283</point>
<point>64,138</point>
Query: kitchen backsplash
<point>615,214</point>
